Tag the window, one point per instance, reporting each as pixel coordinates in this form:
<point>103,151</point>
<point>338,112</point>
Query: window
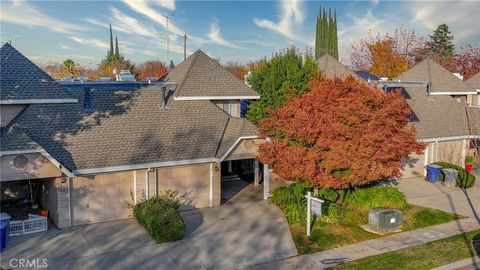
<point>230,107</point>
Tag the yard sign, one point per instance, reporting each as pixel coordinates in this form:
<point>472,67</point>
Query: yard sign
<point>314,206</point>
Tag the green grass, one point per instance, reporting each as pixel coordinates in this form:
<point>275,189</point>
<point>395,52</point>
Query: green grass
<point>331,235</point>
<point>427,256</point>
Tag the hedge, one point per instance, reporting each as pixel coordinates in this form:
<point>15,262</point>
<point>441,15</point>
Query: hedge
<point>160,217</point>
<point>464,178</point>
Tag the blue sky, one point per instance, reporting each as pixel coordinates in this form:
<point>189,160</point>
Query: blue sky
<point>50,31</point>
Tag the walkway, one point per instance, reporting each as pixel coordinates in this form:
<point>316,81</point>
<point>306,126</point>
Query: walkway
<point>373,247</point>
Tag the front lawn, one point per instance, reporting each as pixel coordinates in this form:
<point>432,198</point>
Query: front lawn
<point>427,256</point>
<point>331,235</point>
<point>344,212</point>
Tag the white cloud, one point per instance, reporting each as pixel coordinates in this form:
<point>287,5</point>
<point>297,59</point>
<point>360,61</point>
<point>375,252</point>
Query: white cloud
<point>292,15</point>
<point>92,42</point>
<point>459,16</point>
<point>125,24</point>
<point>22,12</point>
<point>143,7</point>
<point>217,38</point>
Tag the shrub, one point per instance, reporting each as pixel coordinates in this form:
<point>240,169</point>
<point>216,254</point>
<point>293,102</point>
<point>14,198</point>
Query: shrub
<point>469,160</point>
<point>332,213</point>
<point>292,201</point>
<point>376,196</point>
<point>160,217</point>
<point>464,178</point>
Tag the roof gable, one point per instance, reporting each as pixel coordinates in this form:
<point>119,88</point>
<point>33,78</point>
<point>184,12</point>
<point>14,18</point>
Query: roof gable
<point>440,78</point>
<point>474,81</point>
<point>331,68</point>
<point>201,77</point>
<point>22,82</point>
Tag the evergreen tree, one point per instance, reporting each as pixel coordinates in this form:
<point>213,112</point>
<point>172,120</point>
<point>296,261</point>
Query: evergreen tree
<point>117,53</point>
<point>285,75</point>
<point>441,42</point>
<point>326,39</point>
<point>110,52</point>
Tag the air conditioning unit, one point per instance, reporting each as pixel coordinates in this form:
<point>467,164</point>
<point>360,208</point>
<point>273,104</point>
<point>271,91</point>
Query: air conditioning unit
<point>385,220</point>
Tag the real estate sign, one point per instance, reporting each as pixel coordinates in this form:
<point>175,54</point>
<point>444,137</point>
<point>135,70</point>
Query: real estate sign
<point>314,206</point>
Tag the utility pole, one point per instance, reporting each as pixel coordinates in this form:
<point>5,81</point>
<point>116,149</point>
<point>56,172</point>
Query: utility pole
<point>184,46</point>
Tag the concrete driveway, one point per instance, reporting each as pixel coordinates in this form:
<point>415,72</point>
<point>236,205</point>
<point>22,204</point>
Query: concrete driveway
<point>434,195</point>
<point>238,234</point>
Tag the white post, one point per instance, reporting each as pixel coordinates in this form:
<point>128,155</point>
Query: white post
<point>147,183</point>
<point>211,185</point>
<point>464,152</point>
<point>135,187</point>
<point>266,182</point>
<point>309,194</point>
<point>156,182</point>
<point>256,171</point>
<point>70,200</point>
<point>426,161</point>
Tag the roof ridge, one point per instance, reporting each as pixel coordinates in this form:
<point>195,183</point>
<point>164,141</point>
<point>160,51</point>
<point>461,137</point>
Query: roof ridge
<point>179,87</point>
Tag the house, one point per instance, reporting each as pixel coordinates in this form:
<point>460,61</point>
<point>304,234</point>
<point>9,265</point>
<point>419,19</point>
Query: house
<point>440,120</point>
<point>96,147</point>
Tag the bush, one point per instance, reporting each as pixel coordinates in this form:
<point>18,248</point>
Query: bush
<point>160,217</point>
<point>332,213</point>
<point>464,178</point>
<point>376,196</point>
<point>292,201</point>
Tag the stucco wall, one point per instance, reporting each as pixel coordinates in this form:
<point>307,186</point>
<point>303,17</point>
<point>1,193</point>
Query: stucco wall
<point>246,149</point>
<point>38,167</point>
<point>192,184</point>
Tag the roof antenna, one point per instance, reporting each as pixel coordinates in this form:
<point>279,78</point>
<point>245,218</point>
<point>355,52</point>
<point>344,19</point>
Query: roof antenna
<point>166,20</point>
<point>184,47</point>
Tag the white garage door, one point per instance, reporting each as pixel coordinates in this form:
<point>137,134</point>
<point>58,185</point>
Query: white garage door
<point>100,198</point>
<point>413,166</point>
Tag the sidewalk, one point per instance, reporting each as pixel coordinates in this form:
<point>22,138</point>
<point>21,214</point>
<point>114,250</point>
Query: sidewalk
<point>373,247</point>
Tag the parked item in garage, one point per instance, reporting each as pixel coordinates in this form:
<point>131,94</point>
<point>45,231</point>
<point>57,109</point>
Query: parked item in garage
<point>450,177</point>
<point>5,222</point>
<point>433,172</point>
<point>44,213</point>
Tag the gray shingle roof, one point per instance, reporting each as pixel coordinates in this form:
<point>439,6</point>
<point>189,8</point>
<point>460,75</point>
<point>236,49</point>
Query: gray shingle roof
<point>201,76</point>
<point>437,116</point>
<point>331,68</point>
<point>474,120</point>
<point>127,128</point>
<point>474,81</point>
<point>236,127</point>
<point>21,79</point>
<point>13,139</point>
<point>441,79</point>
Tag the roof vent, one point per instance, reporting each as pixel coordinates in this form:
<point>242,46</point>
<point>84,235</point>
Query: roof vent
<point>87,103</point>
<point>164,97</point>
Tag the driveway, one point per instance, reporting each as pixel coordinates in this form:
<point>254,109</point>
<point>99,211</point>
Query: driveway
<point>238,234</point>
<point>434,195</point>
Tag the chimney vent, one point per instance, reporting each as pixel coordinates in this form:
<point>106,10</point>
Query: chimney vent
<point>164,97</point>
<point>87,104</point>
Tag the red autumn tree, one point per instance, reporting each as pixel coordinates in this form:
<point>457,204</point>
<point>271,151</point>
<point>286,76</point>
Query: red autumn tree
<point>237,69</point>
<point>152,68</point>
<point>340,134</point>
<point>385,61</point>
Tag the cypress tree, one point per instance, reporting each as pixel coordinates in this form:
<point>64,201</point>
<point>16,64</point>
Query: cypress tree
<point>326,39</point>
<point>110,52</point>
<point>117,53</point>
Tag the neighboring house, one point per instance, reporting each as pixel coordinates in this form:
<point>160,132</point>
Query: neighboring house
<point>443,84</point>
<point>331,68</point>
<point>440,121</point>
<point>92,145</point>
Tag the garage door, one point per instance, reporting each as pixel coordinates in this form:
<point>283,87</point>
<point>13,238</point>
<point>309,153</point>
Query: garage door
<point>413,166</point>
<point>100,198</point>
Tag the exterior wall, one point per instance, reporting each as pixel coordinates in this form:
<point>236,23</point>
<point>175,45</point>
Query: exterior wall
<point>245,149</point>
<point>446,151</point>
<point>101,197</point>
<point>54,197</point>
<point>219,104</point>
<point>192,183</point>
<point>9,112</point>
<point>38,167</point>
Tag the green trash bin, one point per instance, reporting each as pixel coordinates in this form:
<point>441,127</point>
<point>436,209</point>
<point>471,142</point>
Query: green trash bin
<point>450,178</point>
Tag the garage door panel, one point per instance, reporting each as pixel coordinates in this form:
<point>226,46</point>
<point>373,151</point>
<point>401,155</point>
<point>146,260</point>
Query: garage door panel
<point>101,198</point>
